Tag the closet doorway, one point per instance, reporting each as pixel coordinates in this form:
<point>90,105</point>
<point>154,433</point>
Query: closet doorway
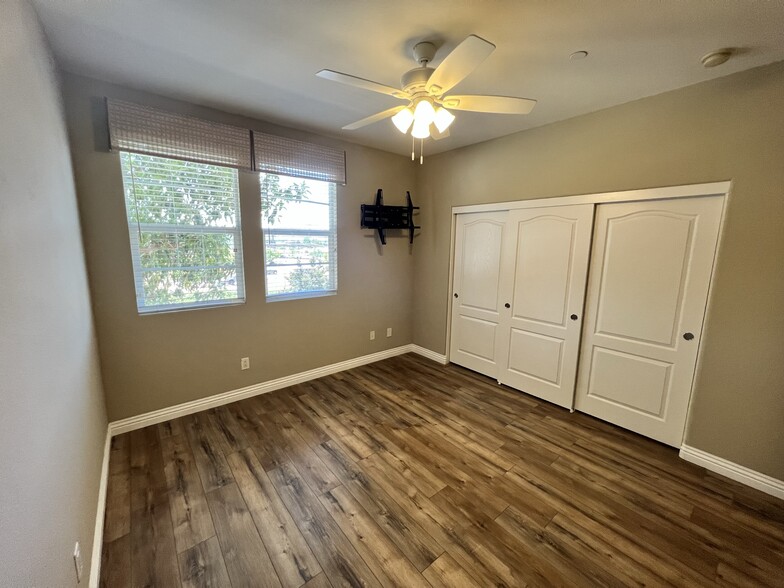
<point>590,302</point>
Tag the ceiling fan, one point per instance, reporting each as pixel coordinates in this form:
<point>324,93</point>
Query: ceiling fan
<point>425,89</point>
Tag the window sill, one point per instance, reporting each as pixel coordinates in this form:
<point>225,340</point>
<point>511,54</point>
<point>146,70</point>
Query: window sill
<point>170,309</point>
<point>301,295</point>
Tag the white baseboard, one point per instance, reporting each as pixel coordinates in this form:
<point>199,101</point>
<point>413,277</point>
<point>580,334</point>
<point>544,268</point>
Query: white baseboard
<point>100,514</point>
<point>186,408</point>
<point>424,352</point>
<point>733,471</point>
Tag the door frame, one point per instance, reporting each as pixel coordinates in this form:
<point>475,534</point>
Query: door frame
<point>722,188</point>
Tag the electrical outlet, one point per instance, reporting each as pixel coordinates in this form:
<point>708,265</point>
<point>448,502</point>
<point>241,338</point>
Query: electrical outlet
<point>389,331</point>
<point>245,363</point>
<point>372,335</point>
<point>78,564</point>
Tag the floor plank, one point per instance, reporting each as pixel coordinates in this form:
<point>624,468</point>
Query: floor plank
<point>445,572</point>
<point>226,430</point>
<point>409,473</point>
<point>153,553</point>
<point>418,546</point>
<point>120,454</point>
<point>202,566</point>
<point>190,515</point>
<point>246,558</point>
<point>293,560</point>
<point>210,460</point>
<point>117,521</point>
<point>370,541</point>
<point>171,428</point>
<point>116,563</point>
<point>319,581</point>
<point>338,558</point>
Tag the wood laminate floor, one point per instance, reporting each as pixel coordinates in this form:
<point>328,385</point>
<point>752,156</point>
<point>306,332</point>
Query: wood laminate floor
<point>408,473</point>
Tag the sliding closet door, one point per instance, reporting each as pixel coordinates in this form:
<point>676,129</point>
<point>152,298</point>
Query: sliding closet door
<point>650,272</point>
<point>544,286</point>
<point>479,240</point>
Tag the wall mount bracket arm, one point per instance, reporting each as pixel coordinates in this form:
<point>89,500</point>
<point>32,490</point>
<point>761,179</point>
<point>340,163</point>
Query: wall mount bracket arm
<point>380,217</point>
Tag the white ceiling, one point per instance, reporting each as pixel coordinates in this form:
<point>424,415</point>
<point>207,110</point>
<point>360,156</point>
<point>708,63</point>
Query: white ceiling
<point>259,57</point>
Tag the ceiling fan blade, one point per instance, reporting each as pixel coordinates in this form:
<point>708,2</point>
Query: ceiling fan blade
<point>492,104</point>
<point>458,64</point>
<point>341,78</point>
<point>373,118</point>
<point>437,135</point>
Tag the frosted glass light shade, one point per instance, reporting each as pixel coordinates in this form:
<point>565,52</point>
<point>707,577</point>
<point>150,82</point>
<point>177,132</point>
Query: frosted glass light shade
<point>403,119</point>
<point>421,129</point>
<point>424,112</point>
<point>443,118</point>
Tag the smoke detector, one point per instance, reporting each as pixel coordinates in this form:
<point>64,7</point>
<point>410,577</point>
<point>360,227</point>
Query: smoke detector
<point>715,58</point>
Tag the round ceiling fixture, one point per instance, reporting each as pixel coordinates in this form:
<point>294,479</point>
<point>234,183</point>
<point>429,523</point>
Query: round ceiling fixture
<point>578,55</point>
<point>715,58</point>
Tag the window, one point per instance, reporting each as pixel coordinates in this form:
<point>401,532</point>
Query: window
<point>300,236</point>
<point>184,223</point>
<point>182,201</point>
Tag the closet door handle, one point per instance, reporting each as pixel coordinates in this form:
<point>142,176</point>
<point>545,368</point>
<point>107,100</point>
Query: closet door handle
<point>507,305</point>
<point>688,336</point>
<point>573,317</point>
<point>455,294</point>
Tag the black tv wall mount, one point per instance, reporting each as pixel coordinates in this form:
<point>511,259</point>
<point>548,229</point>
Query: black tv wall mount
<point>380,217</point>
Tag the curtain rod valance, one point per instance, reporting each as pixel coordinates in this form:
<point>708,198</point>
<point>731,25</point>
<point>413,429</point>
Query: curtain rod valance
<point>143,129</point>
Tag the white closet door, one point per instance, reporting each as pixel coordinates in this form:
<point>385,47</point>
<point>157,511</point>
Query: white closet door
<point>543,286</point>
<point>649,277</point>
<point>479,240</point>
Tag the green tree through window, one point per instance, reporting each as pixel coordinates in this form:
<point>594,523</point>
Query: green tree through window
<point>184,224</point>
<point>300,236</point>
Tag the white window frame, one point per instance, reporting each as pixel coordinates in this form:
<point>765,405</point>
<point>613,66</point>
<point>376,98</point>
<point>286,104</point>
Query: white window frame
<point>332,239</point>
<point>135,229</point>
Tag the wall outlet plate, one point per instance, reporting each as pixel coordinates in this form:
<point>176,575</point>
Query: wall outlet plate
<point>372,335</point>
<point>389,331</point>
<point>245,363</point>
<point>78,563</point>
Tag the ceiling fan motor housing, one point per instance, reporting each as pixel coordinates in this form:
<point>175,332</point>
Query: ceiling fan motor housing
<point>414,80</point>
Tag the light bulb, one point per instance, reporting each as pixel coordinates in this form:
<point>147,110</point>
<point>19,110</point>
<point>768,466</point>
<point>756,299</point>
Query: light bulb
<point>403,120</point>
<point>424,112</point>
<point>421,129</point>
<point>443,119</point>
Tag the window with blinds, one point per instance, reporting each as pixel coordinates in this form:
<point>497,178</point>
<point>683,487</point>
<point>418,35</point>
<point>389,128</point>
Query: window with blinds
<point>184,224</point>
<point>299,222</point>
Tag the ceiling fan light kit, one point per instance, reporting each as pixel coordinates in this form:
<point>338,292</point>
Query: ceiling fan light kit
<point>424,88</point>
<point>421,129</point>
<point>443,119</point>
<point>403,119</point>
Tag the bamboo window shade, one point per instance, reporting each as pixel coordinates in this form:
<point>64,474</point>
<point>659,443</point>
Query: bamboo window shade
<point>142,129</point>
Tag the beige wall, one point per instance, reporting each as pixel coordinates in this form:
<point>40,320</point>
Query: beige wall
<point>155,361</point>
<point>727,129</point>
<point>52,415</point>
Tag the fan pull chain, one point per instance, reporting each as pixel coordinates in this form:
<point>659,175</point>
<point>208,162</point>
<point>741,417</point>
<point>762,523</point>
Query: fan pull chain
<point>412,147</point>
<point>421,151</point>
